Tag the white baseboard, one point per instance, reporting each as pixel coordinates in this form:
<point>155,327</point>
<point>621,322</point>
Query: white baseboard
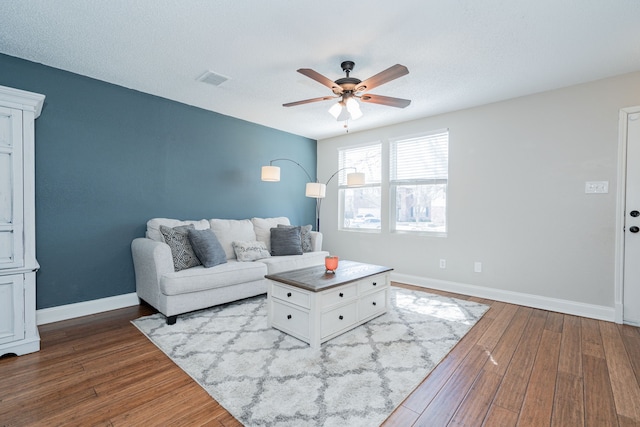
<point>86,308</point>
<point>535,301</point>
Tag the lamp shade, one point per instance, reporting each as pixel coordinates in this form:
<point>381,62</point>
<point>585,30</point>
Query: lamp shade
<point>270,173</point>
<point>355,179</point>
<point>354,108</point>
<point>345,110</point>
<point>336,109</point>
<point>316,190</point>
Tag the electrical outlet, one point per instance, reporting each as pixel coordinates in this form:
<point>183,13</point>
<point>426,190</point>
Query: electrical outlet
<point>443,263</point>
<point>477,267</point>
<point>596,187</point>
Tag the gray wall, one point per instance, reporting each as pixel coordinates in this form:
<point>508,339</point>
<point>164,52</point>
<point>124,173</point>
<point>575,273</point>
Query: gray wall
<point>516,195</point>
<point>109,158</point>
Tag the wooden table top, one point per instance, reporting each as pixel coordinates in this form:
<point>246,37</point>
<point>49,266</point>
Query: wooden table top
<point>316,279</point>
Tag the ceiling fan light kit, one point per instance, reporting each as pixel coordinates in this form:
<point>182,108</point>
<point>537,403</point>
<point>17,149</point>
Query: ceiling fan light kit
<point>349,89</point>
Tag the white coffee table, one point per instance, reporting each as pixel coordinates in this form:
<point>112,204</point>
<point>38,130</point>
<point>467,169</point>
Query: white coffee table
<point>315,306</point>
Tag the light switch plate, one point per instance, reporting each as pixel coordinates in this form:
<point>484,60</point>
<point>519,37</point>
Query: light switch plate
<point>596,187</point>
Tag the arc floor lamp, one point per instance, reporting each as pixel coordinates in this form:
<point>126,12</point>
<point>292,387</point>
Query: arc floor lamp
<point>314,188</point>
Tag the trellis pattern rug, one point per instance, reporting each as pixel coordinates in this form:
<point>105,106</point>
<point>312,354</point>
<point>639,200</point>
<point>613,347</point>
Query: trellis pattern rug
<point>265,377</point>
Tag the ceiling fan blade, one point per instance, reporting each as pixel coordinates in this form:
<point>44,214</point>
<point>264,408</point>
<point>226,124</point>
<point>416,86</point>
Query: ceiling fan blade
<point>382,77</point>
<point>385,100</point>
<point>321,79</point>
<point>307,101</point>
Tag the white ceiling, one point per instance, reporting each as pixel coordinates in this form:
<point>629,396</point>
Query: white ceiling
<point>460,53</point>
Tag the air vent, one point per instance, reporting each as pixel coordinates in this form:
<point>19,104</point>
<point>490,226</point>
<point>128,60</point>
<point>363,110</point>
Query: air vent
<point>212,78</point>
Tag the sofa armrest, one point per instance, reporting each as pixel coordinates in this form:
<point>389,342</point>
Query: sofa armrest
<point>316,241</point>
<point>151,260</point>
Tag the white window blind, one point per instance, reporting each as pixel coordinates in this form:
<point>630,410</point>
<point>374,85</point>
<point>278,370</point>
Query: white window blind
<point>420,159</point>
<point>366,159</point>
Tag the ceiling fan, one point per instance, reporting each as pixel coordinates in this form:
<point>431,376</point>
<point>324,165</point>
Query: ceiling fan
<point>348,89</point>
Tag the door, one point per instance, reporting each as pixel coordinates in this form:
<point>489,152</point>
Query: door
<point>631,270</point>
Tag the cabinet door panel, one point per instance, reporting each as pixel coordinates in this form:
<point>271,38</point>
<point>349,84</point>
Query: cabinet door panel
<point>6,187</point>
<point>338,319</point>
<point>6,247</point>
<point>11,188</point>
<point>11,308</point>
<point>372,304</point>
<point>6,127</point>
<point>292,320</point>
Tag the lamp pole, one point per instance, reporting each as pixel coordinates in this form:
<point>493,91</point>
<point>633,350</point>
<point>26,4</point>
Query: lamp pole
<point>314,188</point>
<point>319,201</point>
<point>310,180</point>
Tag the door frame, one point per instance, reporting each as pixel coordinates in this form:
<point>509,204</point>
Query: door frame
<point>620,211</point>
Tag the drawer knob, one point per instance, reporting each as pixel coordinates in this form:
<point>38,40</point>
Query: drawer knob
<point>289,294</point>
<point>374,303</point>
<point>374,283</point>
<point>288,316</point>
<point>341,294</point>
<point>340,317</point>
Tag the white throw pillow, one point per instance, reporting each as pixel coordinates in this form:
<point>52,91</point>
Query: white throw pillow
<point>263,226</point>
<point>250,251</point>
<point>230,230</point>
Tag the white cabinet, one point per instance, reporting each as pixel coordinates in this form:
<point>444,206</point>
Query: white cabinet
<point>18,265</point>
<point>316,317</point>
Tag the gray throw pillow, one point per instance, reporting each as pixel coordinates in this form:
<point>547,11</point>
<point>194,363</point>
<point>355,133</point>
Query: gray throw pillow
<point>305,236</point>
<point>178,240</point>
<point>207,247</point>
<point>285,241</point>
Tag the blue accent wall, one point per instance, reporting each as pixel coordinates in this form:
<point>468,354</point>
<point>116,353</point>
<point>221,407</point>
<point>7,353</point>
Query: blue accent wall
<point>109,158</point>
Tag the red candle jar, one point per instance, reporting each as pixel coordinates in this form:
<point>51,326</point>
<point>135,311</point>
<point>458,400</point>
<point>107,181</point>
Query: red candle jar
<point>331,264</point>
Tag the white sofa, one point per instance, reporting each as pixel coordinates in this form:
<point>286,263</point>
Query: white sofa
<point>176,292</point>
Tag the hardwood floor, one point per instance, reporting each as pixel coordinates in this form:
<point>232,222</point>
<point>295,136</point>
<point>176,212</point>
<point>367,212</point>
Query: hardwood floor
<point>517,366</point>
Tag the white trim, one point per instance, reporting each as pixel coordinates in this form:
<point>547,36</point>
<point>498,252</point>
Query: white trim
<point>620,212</point>
<point>536,301</point>
<point>86,308</point>
<point>23,100</point>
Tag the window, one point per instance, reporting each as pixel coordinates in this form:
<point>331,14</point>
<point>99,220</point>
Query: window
<point>360,207</point>
<point>418,177</point>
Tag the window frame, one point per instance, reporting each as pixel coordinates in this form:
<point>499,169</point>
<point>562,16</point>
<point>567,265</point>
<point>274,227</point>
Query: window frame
<point>342,185</point>
<point>395,183</point>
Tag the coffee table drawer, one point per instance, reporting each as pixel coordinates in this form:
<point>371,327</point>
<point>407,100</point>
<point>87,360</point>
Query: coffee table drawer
<point>291,319</point>
<point>338,319</point>
<point>291,295</point>
<point>372,304</point>
<point>342,294</point>
<point>372,283</point>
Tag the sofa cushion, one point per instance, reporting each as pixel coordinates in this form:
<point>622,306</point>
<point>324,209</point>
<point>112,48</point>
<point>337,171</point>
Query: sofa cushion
<point>263,226</point>
<point>181,251</point>
<point>285,241</point>
<point>305,236</point>
<point>207,247</point>
<point>250,251</point>
<point>230,230</point>
<point>199,278</point>
<point>279,264</point>
<point>153,226</point>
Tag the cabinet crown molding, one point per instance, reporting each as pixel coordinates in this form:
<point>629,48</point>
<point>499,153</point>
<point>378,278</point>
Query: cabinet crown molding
<point>21,99</point>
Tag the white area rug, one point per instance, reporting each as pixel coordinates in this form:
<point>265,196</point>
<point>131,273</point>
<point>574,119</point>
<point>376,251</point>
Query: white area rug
<point>265,377</point>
